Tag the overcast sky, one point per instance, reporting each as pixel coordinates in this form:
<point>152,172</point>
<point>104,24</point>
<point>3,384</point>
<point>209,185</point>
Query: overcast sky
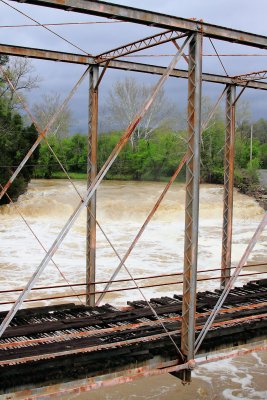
<point>58,77</point>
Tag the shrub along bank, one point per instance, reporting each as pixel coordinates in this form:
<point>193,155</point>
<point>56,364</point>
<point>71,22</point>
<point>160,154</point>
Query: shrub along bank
<point>15,141</point>
<point>156,158</point>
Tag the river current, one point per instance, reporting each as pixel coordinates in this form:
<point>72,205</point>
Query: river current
<point>122,208</point>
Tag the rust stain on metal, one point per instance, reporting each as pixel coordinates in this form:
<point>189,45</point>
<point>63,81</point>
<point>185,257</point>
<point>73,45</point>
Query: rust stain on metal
<point>125,327</point>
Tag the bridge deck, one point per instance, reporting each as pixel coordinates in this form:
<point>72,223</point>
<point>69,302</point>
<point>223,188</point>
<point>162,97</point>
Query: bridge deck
<point>54,344</point>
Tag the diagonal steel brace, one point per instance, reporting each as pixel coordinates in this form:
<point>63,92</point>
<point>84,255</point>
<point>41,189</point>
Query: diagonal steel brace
<point>92,188</point>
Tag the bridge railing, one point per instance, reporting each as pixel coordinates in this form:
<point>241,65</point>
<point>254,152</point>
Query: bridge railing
<point>119,281</point>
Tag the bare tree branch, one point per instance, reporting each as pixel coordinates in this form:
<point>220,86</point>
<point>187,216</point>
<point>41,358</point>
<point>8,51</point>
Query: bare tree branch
<point>125,100</point>
<point>44,111</point>
<point>22,75</point>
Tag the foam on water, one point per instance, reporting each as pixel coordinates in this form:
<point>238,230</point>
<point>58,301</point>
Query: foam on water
<point>122,208</point>
<point>236,377</point>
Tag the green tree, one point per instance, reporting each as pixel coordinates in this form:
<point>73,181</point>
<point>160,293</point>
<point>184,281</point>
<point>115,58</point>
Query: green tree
<point>212,153</point>
<point>263,155</point>
<point>260,130</point>
<point>15,141</point>
<point>76,153</point>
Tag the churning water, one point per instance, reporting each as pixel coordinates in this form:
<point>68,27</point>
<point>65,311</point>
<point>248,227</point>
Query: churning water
<point>122,208</point>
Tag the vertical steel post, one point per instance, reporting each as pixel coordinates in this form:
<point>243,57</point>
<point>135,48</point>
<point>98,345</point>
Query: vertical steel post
<point>228,185</point>
<point>192,200</point>
<point>91,174</point>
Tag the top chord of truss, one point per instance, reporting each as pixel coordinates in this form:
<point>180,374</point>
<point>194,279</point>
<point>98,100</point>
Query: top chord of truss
<point>150,18</point>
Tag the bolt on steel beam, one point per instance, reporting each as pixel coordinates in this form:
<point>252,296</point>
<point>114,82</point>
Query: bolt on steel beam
<point>192,199</point>
<point>91,174</point>
<point>228,185</point>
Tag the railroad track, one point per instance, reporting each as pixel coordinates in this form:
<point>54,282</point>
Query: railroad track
<point>57,343</point>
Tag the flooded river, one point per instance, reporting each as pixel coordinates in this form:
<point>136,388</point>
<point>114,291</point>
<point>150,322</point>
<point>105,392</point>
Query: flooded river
<point>122,208</point>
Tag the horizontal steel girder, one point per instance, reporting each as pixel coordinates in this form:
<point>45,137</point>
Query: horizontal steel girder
<point>121,65</point>
<point>150,18</point>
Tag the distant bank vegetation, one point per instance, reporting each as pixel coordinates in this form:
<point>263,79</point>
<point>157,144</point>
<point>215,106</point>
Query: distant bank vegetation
<point>157,157</point>
<point>152,153</point>
<point>16,138</point>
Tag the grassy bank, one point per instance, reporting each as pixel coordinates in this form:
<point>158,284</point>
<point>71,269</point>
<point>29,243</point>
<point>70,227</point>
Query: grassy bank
<point>83,176</point>
<point>73,175</point>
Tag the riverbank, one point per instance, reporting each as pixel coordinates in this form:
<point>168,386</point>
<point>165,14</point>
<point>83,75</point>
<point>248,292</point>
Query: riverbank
<point>122,178</point>
<point>258,190</point>
<point>260,194</point>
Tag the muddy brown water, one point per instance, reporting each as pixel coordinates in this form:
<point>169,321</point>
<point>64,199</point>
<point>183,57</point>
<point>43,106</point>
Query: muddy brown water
<point>122,207</point>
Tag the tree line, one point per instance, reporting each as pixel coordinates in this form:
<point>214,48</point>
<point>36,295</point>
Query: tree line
<point>159,142</point>
<point>17,133</point>
<point>153,153</point>
<point>157,157</point>
<point>16,136</point>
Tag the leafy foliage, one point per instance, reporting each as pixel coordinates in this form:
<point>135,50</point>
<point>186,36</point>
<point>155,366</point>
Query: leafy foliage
<point>15,141</point>
<point>157,157</point>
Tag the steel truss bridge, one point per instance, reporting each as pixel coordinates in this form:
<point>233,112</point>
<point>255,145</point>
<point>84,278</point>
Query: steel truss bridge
<point>162,335</point>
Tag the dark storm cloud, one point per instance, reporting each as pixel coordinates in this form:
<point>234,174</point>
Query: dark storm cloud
<point>95,39</point>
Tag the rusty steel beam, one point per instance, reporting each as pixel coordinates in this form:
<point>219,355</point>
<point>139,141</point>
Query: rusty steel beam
<point>41,133</point>
<point>74,388</point>
<point>231,281</point>
<point>155,207</point>
<point>119,328</point>
<point>103,292</point>
<point>254,76</point>
<point>72,58</point>
<point>42,54</point>
<point>180,73</point>
<point>99,347</point>
<point>129,279</point>
<point>228,185</point>
<point>151,18</point>
<point>192,200</point>
<point>91,175</point>
<point>119,343</point>
<point>142,229</point>
<point>92,189</point>
<point>151,369</point>
<point>133,47</point>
